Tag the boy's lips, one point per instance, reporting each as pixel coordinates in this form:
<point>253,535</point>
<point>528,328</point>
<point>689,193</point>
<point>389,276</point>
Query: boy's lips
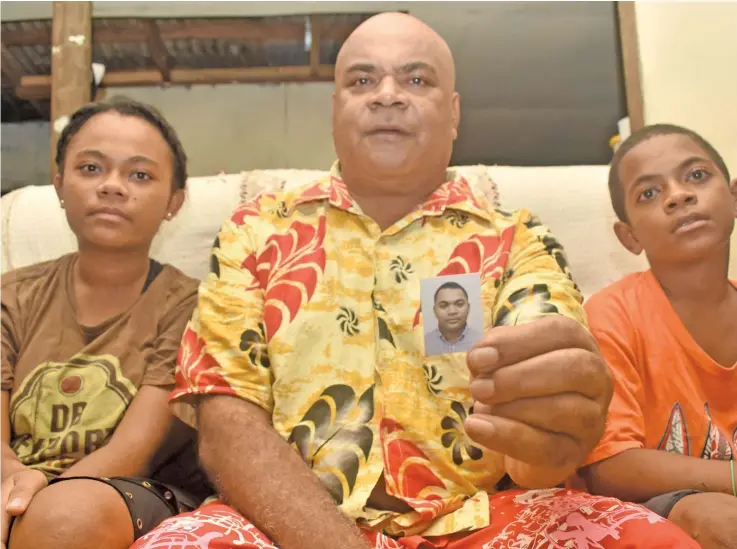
<point>690,222</point>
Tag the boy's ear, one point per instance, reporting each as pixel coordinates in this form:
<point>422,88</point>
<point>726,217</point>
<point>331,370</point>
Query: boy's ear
<point>627,238</point>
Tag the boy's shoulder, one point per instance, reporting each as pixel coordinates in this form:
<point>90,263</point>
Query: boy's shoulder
<point>622,301</point>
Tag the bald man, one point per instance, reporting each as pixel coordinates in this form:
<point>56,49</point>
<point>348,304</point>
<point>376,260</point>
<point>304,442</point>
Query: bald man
<point>323,423</point>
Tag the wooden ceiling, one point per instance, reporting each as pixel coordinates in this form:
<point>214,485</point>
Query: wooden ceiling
<point>167,52</point>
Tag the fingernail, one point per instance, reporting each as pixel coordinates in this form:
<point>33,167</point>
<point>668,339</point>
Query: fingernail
<point>483,357</point>
<point>15,503</point>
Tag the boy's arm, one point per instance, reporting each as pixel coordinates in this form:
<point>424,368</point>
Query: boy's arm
<point>620,466</point>
<point>640,474</point>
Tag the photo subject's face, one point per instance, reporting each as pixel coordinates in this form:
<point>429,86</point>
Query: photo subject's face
<point>451,309</point>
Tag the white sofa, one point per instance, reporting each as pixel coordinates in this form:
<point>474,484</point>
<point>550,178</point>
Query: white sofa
<point>572,200</point>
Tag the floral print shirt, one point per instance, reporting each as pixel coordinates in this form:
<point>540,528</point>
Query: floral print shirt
<point>313,313</point>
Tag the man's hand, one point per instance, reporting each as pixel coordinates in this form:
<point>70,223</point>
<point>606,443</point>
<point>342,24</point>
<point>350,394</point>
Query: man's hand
<point>710,518</point>
<point>542,390</point>
<point>17,492</point>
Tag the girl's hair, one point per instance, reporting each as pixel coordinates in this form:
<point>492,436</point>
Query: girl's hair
<point>126,107</point>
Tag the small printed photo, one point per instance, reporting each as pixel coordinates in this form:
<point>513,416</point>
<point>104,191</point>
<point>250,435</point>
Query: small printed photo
<point>452,318</point>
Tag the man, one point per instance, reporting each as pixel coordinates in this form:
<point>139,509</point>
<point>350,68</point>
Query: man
<point>321,423</point>
<point>453,334</point>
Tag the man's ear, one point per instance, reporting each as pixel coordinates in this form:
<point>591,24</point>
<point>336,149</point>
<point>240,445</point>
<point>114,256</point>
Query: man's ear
<point>733,188</point>
<point>456,113</point>
<point>627,238</point>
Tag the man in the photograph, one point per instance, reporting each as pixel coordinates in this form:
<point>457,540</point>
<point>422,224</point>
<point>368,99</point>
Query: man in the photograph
<point>453,334</point>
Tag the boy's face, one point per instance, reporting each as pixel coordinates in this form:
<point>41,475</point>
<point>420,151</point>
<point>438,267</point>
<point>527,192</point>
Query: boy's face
<point>679,204</point>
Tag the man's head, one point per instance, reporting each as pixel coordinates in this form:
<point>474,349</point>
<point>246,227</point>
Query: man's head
<point>395,109</point>
<point>671,192</point>
<point>451,307</point>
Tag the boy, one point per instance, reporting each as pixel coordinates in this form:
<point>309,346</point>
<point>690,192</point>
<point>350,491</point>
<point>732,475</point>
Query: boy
<point>669,336</point>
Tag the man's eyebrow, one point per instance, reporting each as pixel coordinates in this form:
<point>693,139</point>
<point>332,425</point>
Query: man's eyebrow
<point>415,66</point>
<point>361,67</point>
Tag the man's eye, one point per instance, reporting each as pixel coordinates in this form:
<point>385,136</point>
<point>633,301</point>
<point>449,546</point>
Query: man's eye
<point>141,176</point>
<point>362,81</point>
<point>416,81</point>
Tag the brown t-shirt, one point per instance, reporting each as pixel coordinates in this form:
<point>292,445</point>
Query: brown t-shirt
<point>70,385</point>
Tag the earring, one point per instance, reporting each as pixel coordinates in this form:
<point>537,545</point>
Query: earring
<point>61,203</point>
<point>168,216</point>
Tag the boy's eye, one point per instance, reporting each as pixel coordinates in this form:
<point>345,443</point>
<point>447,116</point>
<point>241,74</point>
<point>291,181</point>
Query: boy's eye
<point>698,174</point>
<point>647,194</point>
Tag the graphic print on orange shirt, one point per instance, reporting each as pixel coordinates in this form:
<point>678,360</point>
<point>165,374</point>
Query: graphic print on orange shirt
<point>676,440</point>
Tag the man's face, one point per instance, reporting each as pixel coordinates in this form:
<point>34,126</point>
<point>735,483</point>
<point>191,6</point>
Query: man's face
<point>678,203</point>
<point>451,309</point>
<point>394,106</point>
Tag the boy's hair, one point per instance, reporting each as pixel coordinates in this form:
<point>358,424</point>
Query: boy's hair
<point>126,107</point>
<point>616,192</point>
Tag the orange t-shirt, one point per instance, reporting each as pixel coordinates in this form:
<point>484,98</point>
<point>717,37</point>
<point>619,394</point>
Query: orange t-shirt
<point>668,394</point>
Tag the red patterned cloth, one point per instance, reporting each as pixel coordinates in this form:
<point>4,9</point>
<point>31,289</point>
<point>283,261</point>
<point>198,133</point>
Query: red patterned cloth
<point>541,519</point>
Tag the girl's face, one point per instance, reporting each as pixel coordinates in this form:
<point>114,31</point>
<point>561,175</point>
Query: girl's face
<point>117,182</point>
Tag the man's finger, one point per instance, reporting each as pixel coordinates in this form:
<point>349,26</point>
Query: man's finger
<point>567,414</point>
<point>563,371</point>
<point>522,442</point>
<point>517,343</point>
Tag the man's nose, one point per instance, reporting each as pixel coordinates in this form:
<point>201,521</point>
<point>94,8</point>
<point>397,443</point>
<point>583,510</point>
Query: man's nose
<point>389,93</point>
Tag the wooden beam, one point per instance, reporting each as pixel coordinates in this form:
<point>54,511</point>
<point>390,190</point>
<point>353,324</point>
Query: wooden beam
<point>13,71</point>
<point>37,87</point>
<point>315,46</point>
<point>631,63</point>
<point>71,62</point>
<point>125,32</point>
<point>157,49</point>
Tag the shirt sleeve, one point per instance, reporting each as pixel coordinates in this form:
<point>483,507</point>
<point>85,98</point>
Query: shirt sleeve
<point>161,364</point>
<point>10,347</point>
<point>223,350</point>
<point>538,281</point>
<point>612,328</point>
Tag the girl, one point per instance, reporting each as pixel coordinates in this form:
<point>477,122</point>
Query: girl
<point>89,346</point>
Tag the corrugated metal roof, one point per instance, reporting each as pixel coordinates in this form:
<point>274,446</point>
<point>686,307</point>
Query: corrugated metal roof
<point>124,51</point>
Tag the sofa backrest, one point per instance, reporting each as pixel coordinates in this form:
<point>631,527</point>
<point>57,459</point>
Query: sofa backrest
<point>572,200</point>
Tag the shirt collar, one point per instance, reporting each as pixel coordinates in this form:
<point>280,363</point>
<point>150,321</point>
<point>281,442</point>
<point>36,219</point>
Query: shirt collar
<point>455,193</point>
<point>464,333</point>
